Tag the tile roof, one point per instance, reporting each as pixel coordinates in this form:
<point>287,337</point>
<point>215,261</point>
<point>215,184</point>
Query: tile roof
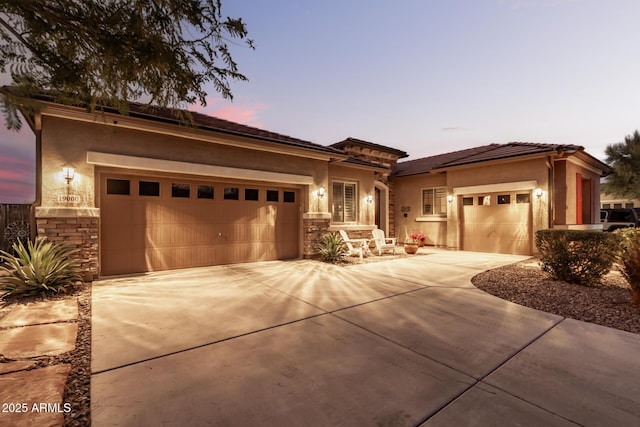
<point>216,124</point>
<point>354,141</point>
<point>202,121</point>
<point>479,154</point>
<point>426,164</point>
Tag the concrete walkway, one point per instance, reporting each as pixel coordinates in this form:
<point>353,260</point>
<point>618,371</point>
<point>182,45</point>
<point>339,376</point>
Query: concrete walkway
<point>33,397</point>
<point>403,342</point>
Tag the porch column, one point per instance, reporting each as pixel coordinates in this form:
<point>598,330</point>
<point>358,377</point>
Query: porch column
<point>76,227</point>
<point>314,225</point>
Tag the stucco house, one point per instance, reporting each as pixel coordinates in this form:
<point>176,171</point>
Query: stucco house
<point>144,192</point>
<point>495,197</point>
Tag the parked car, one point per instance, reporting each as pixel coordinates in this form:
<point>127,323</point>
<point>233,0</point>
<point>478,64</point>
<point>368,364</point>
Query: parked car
<point>612,219</point>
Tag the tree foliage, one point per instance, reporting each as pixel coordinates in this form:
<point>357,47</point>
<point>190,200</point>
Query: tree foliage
<point>102,53</point>
<point>624,159</point>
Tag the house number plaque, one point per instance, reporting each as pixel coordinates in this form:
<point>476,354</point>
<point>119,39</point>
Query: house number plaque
<point>69,198</point>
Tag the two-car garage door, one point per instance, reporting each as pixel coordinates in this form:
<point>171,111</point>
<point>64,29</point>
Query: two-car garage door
<point>151,223</point>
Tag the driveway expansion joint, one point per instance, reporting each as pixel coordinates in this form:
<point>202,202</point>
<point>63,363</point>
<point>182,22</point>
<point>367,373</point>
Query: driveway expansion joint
<point>480,380</point>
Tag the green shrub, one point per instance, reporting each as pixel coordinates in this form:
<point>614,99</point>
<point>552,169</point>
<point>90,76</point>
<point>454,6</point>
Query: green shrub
<point>332,248</point>
<point>576,256</point>
<point>42,267</point>
<point>629,259</point>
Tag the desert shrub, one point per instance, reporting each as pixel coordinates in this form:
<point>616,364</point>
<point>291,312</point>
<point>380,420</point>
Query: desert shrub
<point>629,259</point>
<point>332,248</point>
<point>576,256</point>
<point>39,268</point>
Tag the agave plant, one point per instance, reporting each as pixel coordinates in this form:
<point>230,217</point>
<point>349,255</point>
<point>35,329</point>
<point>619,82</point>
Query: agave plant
<point>332,248</point>
<point>39,268</point>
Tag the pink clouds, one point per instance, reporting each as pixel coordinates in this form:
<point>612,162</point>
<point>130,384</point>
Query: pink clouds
<point>17,166</point>
<point>245,113</point>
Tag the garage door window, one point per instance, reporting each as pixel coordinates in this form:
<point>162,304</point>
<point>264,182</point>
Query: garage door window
<point>467,201</point>
<point>504,199</point>
<point>118,186</point>
<point>289,197</point>
<point>251,194</point>
<point>272,195</point>
<point>149,188</point>
<point>180,190</point>
<point>231,193</point>
<point>434,201</point>
<point>523,198</point>
<point>205,192</point>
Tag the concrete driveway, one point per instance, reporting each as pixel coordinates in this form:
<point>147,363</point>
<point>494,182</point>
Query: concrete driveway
<point>402,342</point>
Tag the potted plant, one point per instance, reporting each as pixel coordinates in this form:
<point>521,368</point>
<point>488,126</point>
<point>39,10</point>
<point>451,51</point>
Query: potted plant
<point>419,238</point>
<point>412,244</point>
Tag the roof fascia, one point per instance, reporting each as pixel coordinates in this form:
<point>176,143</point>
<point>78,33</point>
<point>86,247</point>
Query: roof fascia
<point>186,132</point>
<point>343,162</point>
<point>583,163</point>
<point>399,176</point>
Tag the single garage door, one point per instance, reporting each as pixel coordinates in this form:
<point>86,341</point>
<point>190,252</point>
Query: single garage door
<point>497,222</point>
<point>151,224</point>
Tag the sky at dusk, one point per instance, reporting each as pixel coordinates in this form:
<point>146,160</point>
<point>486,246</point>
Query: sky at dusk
<point>423,76</point>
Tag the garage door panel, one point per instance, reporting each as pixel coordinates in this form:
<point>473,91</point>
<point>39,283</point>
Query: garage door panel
<point>149,233</point>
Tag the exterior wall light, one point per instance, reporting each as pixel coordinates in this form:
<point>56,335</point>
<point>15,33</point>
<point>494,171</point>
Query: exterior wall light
<point>450,198</point>
<point>319,192</point>
<point>370,198</point>
<point>537,192</point>
<point>68,173</point>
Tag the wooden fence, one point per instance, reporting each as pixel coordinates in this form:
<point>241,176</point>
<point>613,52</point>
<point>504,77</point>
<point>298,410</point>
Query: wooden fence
<point>14,225</point>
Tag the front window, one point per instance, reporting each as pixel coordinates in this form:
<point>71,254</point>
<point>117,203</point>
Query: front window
<point>434,201</point>
<point>343,202</point>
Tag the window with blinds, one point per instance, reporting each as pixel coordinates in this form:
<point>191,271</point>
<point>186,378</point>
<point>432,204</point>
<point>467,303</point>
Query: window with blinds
<point>343,202</point>
<point>434,201</point>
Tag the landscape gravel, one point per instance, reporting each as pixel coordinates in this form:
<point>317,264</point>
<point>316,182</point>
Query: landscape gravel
<point>607,303</point>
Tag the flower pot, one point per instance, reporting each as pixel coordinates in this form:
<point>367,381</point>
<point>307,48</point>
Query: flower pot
<point>411,248</point>
<point>421,243</point>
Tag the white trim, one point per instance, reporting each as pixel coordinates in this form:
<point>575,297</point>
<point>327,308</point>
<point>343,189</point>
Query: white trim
<point>446,208</point>
<point>172,166</point>
<point>432,218</point>
<point>316,215</point>
<point>495,188</point>
<point>381,185</point>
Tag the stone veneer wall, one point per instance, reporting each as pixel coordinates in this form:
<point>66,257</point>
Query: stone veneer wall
<point>313,231</point>
<point>392,209</point>
<point>360,234</point>
<point>75,227</point>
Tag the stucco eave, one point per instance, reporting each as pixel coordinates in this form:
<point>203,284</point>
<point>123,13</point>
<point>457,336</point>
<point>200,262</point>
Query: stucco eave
<point>505,160</point>
<point>205,135</point>
<point>361,167</point>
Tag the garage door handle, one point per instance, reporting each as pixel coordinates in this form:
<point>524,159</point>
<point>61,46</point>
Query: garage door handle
<point>219,235</point>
